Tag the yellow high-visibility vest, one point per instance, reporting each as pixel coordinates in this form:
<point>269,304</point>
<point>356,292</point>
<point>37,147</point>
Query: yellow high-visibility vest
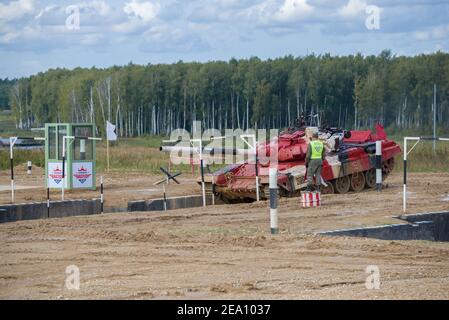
<point>317,149</point>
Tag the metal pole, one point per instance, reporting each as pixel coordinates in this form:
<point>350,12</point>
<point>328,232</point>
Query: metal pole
<point>213,189</point>
<point>165,197</point>
<point>404,198</point>
<point>107,152</point>
<point>254,149</point>
<point>101,194</point>
<point>273,201</point>
<point>203,187</point>
<point>48,202</point>
<point>257,172</point>
<point>63,168</point>
<point>82,149</point>
<point>434,116</point>
<point>12,141</point>
<point>379,165</point>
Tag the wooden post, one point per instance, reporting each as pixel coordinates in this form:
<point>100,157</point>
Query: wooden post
<point>107,153</point>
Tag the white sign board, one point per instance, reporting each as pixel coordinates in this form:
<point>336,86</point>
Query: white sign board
<point>54,175</point>
<point>82,175</point>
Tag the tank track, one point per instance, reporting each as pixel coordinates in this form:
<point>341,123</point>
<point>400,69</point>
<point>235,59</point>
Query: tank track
<point>359,181</point>
<point>351,183</point>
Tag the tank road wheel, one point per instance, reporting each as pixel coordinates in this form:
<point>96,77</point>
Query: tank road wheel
<point>342,184</point>
<point>387,167</point>
<point>370,178</point>
<point>357,182</point>
<point>329,189</point>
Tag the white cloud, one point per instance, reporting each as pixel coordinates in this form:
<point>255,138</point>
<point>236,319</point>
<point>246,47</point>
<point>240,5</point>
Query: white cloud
<point>440,32</point>
<point>353,8</point>
<point>146,11</point>
<point>16,9</point>
<point>164,37</point>
<point>293,9</point>
<point>91,39</point>
<point>129,26</point>
<point>99,6</point>
<point>273,12</point>
<point>422,35</point>
<point>436,33</point>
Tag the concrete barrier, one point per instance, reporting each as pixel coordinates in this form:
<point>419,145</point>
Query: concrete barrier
<point>433,226</point>
<point>172,203</point>
<point>58,209</point>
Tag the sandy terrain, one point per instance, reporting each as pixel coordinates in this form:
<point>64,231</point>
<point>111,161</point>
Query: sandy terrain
<point>227,251</point>
<point>119,187</point>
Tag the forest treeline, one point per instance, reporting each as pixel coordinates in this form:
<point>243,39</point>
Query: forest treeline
<point>346,91</point>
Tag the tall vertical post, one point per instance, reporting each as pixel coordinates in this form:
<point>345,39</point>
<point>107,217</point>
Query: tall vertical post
<point>273,201</point>
<point>379,165</point>
<point>165,197</point>
<point>257,174</point>
<point>63,167</point>
<point>256,160</point>
<point>48,202</point>
<point>101,195</point>
<point>107,153</point>
<point>82,149</point>
<point>404,198</point>
<point>12,141</point>
<point>213,189</point>
<point>434,116</point>
<point>29,167</point>
<point>203,187</point>
<point>192,165</point>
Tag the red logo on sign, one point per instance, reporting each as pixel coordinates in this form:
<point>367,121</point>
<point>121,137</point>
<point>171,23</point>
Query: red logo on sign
<point>82,174</point>
<point>56,175</point>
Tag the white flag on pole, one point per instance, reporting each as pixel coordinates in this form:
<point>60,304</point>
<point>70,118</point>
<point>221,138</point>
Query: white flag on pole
<point>110,131</point>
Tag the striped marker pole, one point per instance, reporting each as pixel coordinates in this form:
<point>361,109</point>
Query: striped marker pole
<point>213,189</point>
<point>273,201</point>
<point>404,200</point>
<point>203,187</point>
<point>165,198</point>
<point>63,167</point>
<point>29,167</point>
<point>379,165</point>
<point>48,202</point>
<point>12,141</point>
<point>101,194</point>
<point>257,174</point>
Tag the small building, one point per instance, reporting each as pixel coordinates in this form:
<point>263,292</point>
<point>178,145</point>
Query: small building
<point>80,155</point>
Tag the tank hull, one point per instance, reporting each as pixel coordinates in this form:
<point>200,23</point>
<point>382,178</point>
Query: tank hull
<point>351,168</point>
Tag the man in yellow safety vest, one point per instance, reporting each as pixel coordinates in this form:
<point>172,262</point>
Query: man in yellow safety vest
<point>314,162</point>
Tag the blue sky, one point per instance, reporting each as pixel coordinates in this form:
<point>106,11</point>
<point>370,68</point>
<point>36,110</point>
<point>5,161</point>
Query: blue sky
<point>34,35</point>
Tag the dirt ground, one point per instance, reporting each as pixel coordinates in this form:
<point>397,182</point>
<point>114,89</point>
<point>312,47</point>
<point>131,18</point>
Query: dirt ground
<point>119,187</point>
<point>227,251</point>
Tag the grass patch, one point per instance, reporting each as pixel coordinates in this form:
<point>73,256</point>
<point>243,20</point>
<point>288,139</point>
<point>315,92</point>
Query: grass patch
<point>22,156</point>
<point>422,158</point>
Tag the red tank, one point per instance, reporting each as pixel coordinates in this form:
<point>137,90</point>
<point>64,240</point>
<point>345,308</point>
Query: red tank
<point>349,165</point>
